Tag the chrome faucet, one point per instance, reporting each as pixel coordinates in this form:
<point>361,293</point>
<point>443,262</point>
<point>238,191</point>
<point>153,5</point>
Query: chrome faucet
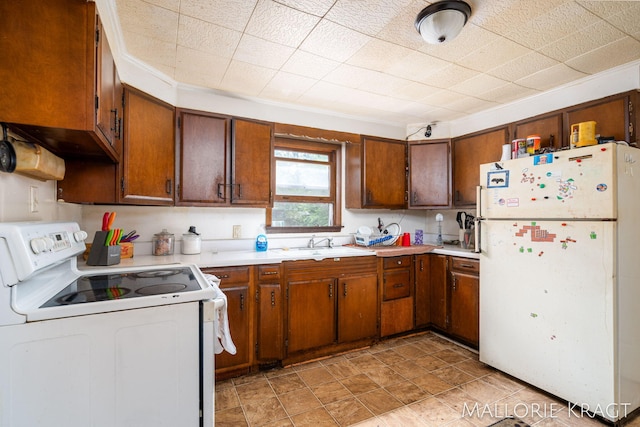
<point>312,242</point>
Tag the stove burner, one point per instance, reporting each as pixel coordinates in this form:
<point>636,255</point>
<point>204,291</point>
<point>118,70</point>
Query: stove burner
<point>155,273</point>
<point>93,295</point>
<point>163,288</point>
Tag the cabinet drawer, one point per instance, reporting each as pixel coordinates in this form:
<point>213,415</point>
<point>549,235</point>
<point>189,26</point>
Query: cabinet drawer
<point>230,274</point>
<point>269,273</point>
<point>397,262</point>
<point>466,265</point>
<point>397,284</point>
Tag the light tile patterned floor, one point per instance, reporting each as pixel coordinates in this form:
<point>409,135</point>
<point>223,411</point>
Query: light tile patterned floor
<point>421,380</point>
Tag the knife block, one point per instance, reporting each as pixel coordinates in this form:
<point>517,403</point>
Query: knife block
<point>101,254</point>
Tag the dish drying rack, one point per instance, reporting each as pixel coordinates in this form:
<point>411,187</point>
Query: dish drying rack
<point>375,239</point>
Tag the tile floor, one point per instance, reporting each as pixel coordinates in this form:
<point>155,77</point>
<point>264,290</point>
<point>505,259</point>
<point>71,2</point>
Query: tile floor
<point>421,380</point>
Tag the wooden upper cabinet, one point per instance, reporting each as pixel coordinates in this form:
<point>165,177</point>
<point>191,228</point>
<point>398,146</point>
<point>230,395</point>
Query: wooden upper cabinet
<point>147,170</point>
<point>49,79</point>
<point>109,95</point>
<point>549,127</point>
<point>376,175</point>
<point>251,163</point>
<point>429,174</point>
<point>203,163</point>
<point>613,116</point>
<point>469,152</point>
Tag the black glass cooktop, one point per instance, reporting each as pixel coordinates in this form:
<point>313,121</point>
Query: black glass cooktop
<point>106,287</point>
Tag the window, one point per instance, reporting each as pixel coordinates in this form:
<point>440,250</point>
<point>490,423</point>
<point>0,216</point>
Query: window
<point>307,187</point>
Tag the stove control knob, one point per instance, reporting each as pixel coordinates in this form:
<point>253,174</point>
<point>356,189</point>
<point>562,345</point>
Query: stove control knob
<point>38,245</point>
<point>80,235</point>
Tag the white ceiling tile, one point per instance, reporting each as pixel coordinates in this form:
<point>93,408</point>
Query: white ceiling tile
<point>226,13</point>
<point>416,91</point>
<point>553,25</point>
<point>280,24</point>
<point>200,68</point>
<point>333,41</point>
<point>207,37</point>
<point>262,52</point>
<point>287,87</point>
<point>583,41</point>
<point>468,41</point>
<point>155,22</point>
<point>173,5</point>
<point>440,97</point>
<point>507,93</point>
<point>502,16</point>
<point>550,77</point>
<point>628,20</point>
<point>522,66</point>
<point>365,16</point>
<point>246,79</point>
<point>470,105</point>
<point>400,29</point>
<point>152,51</point>
<point>617,53</point>
<point>416,66</point>
<point>315,7</point>
<point>478,84</point>
<point>449,76</point>
<point>497,52</point>
<point>378,55</point>
<point>309,65</point>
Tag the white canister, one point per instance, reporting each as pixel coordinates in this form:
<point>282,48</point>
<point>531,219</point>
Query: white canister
<point>191,242</point>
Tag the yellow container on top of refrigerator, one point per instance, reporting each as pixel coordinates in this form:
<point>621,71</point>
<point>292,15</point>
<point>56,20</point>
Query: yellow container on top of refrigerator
<point>583,134</point>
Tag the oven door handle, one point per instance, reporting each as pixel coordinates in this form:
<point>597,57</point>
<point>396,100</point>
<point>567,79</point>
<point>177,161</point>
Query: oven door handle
<point>207,359</point>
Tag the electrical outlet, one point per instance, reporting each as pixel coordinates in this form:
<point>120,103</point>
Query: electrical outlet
<point>237,231</point>
<point>33,199</point>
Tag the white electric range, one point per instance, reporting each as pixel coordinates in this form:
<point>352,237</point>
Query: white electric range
<point>104,347</point>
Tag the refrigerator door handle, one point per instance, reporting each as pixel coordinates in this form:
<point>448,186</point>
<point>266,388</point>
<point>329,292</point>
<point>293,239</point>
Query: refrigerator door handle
<point>476,220</point>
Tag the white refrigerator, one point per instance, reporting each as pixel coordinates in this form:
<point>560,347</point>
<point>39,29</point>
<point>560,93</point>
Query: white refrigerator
<point>559,242</point>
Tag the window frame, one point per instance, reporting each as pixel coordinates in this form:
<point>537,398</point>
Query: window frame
<point>334,151</point>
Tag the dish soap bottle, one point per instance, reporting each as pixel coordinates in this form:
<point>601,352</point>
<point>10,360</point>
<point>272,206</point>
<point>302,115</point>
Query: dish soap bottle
<point>261,243</point>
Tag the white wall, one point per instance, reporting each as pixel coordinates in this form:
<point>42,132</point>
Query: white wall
<point>15,201</point>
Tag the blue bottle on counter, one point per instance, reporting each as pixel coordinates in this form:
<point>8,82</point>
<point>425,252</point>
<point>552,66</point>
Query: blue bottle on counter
<point>261,243</point>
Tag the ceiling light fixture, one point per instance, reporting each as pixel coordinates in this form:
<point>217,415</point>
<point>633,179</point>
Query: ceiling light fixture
<point>442,21</point>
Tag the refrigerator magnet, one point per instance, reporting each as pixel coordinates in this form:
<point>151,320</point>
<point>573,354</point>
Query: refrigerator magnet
<point>498,179</point>
<point>543,159</point>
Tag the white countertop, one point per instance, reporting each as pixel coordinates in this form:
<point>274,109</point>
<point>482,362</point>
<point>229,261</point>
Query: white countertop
<point>271,256</point>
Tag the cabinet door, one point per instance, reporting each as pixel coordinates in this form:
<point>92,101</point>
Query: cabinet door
<point>357,307</point>
<point>465,301</point>
<point>108,112</point>
<point>548,127</point>
<point>429,175</point>
<point>610,115</point>
<point>48,84</point>
<point>396,316</point>
<point>239,314</point>
<point>148,163</point>
<point>422,278</point>
<point>469,152</point>
<point>438,282</point>
<point>270,338</point>
<point>311,314</point>
<point>396,284</point>
<point>385,173</point>
<point>251,163</point>
<point>376,174</point>
<point>204,159</point>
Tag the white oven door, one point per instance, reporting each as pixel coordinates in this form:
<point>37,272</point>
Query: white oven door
<point>137,368</point>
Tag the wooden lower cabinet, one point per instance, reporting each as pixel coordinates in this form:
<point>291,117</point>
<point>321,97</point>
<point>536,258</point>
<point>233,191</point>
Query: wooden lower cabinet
<point>236,283</point>
<point>357,299</point>
<point>455,287</point>
<point>465,299</point>
<point>396,314</point>
<point>422,297</point>
<point>270,316</point>
<point>332,305</point>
